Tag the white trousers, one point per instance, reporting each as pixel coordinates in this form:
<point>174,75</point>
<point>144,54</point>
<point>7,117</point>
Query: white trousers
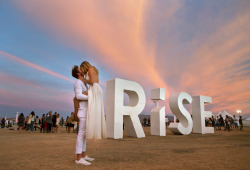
<point>81,137</point>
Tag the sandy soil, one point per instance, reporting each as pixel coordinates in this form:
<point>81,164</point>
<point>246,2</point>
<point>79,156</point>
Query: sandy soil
<point>222,150</point>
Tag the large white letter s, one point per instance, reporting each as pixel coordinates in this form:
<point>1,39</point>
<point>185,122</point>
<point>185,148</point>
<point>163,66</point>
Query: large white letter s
<point>185,124</point>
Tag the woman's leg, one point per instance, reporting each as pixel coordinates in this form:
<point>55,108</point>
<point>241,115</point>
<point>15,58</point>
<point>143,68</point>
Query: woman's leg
<point>29,127</point>
<point>32,126</point>
<point>57,128</point>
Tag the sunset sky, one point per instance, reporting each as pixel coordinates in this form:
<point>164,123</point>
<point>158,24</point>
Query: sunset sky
<point>198,47</point>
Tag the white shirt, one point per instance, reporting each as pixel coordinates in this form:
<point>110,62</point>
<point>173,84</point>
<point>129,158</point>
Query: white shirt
<point>32,118</point>
<point>236,120</point>
<point>79,88</point>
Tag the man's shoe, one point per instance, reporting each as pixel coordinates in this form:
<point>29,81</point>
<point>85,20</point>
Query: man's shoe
<point>82,162</point>
<point>88,158</point>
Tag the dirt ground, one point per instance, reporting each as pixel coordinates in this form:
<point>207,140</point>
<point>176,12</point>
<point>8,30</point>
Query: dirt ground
<point>221,150</point>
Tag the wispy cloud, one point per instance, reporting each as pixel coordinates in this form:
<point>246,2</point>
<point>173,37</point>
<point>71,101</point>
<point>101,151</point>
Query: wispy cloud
<point>32,65</point>
<point>221,67</point>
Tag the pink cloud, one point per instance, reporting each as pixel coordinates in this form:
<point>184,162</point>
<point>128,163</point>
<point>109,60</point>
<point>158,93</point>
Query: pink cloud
<point>217,67</point>
<point>29,94</point>
<point>47,99</point>
<point>116,34</point>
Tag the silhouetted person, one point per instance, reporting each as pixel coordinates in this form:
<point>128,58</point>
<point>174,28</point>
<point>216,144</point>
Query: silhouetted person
<point>145,121</point>
<point>21,120</point>
<point>241,123</point>
<point>49,122</point>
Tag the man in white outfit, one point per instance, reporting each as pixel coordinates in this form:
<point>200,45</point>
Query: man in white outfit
<point>81,93</point>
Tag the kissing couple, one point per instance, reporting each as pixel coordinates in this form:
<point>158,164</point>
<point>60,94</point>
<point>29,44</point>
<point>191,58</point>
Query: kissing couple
<point>89,109</point>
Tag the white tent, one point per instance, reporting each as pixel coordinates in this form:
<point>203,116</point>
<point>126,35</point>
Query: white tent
<point>223,114</point>
<point>215,115</point>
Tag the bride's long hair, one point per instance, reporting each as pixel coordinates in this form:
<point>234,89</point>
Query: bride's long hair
<point>86,65</point>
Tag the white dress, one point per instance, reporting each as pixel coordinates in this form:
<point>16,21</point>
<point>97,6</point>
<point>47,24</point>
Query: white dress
<point>96,124</point>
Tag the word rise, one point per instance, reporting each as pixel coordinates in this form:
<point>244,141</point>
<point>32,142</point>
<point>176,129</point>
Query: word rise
<point>117,113</point>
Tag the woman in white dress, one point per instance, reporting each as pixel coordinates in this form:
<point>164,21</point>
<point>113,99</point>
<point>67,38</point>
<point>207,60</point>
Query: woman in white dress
<point>96,124</point>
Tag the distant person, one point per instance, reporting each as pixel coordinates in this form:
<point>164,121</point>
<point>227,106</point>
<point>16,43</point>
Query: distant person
<point>29,123</point>
<point>209,122</point>
<point>213,121</point>
<point>26,126</point>
<point>68,124</point>
<point>49,122</point>
<point>32,117</point>
<point>236,122</point>
<point>166,121</point>
<point>57,123</point>
<point>221,120</point>
<point>217,123</point>
<point>10,123</point>
<point>231,122</point>
<point>3,123</point>
<point>62,121</point>
<point>6,123</point>
<point>241,123</point>
<point>46,124</point>
<point>73,122</point>
<point>42,129</point>
<point>145,121</point>
<point>227,120</point>
<point>21,120</point>
<point>206,121</point>
<point>36,123</point>
<point>54,122</point>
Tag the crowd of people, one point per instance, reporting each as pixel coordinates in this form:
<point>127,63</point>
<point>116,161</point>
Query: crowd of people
<point>6,123</point>
<point>217,122</point>
<point>51,122</point>
<point>228,123</point>
<point>47,123</point>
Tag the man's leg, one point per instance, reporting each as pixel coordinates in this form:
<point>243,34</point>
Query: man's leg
<point>81,143</point>
<point>81,139</point>
<point>49,127</point>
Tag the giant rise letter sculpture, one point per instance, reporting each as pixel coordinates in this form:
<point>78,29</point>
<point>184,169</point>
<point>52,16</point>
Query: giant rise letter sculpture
<point>185,124</point>
<point>117,113</point>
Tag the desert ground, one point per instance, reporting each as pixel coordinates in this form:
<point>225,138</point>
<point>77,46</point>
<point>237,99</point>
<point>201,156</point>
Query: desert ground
<point>221,150</point>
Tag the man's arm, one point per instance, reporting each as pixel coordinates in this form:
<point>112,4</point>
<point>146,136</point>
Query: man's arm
<point>78,92</point>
